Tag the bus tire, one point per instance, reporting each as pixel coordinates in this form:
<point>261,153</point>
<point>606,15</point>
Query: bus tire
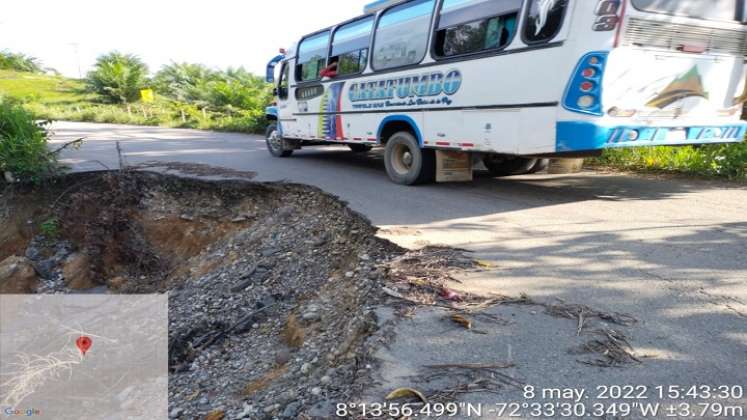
<point>275,143</point>
<point>541,165</point>
<point>408,164</point>
<point>360,148</point>
<point>508,165</point>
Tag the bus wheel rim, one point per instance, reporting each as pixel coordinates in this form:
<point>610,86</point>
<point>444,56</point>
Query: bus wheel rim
<point>402,159</point>
<point>274,140</point>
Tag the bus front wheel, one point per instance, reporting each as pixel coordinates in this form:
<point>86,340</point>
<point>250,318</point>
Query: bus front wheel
<point>406,163</point>
<point>509,165</point>
<point>275,143</point>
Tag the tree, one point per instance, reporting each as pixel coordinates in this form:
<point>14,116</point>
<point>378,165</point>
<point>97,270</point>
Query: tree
<point>184,82</point>
<point>118,77</point>
<point>19,62</point>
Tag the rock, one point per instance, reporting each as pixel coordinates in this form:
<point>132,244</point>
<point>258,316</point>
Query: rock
<point>9,178</point>
<point>306,368</point>
<point>248,410</point>
<point>325,380</point>
<point>17,276</point>
<point>291,410</point>
<point>282,357</point>
<point>311,315</point>
<point>176,412</point>
<point>316,391</point>
<point>324,409</point>
<point>77,272</point>
<point>187,217</point>
<point>271,408</point>
<point>216,415</point>
<point>269,252</point>
<point>117,282</point>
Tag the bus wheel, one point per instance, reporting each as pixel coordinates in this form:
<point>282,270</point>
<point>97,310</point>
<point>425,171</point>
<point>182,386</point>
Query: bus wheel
<point>540,166</point>
<point>508,165</point>
<point>360,148</point>
<point>408,164</point>
<point>275,143</point>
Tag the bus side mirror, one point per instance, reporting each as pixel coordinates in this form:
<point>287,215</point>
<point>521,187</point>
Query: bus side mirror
<point>275,92</point>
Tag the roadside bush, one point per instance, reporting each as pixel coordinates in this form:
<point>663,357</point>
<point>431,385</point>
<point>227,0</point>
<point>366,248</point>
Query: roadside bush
<point>727,161</point>
<point>23,144</point>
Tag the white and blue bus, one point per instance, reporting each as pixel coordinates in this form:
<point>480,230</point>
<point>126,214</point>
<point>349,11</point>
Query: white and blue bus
<point>509,83</point>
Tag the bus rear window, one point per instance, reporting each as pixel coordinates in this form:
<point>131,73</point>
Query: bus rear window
<point>469,26</point>
<point>726,10</point>
<point>312,57</point>
<point>544,20</point>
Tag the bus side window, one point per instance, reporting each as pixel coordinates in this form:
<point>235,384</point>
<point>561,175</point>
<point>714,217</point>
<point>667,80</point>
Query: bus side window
<point>350,46</point>
<point>402,35</point>
<point>544,20</point>
<point>470,26</point>
<point>312,57</point>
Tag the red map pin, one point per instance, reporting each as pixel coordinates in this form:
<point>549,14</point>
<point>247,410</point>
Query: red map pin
<point>84,343</point>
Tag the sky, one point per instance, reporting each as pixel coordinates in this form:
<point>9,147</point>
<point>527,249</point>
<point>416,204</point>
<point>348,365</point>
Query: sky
<point>217,33</point>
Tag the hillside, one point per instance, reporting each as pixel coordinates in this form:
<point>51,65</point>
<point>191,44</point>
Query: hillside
<point>42,88</point>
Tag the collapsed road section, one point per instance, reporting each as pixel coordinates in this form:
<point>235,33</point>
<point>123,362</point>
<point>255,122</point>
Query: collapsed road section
<point>282,301</point>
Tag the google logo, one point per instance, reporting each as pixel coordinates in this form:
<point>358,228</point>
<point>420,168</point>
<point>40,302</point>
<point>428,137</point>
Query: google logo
<point>21,413</point>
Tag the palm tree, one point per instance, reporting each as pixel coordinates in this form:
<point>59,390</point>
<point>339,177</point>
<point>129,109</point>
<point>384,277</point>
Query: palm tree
<point>118,77</point>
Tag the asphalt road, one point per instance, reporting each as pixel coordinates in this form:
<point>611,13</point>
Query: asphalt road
<point>670,252</point>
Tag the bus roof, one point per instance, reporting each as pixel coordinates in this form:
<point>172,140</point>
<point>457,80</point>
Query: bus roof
<point>378,5</point>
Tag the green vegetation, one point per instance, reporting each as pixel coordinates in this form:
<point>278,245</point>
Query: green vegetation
<point>118,78</point>
<point>50,228</point>
<point>23,144</point>
<point>726,161</point>
<point>186,95</point>
<point>19,62</point>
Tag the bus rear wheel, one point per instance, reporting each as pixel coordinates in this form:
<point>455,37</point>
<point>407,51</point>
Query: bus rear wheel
<point>509,165</point>
<point>406,163</point>
<point>359,148</point>
<point>275,143</point>
<point>540,166</point>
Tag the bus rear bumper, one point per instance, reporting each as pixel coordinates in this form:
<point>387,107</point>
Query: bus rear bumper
<point>578,136</point>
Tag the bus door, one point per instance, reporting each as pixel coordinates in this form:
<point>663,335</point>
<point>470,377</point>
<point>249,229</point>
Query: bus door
<point>286,119</point>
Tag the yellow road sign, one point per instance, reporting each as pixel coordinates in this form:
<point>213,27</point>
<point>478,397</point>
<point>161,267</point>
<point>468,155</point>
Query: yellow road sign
<point>147,95</point>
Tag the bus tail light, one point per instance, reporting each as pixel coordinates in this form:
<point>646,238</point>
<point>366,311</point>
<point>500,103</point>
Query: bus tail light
<point>584,91</point>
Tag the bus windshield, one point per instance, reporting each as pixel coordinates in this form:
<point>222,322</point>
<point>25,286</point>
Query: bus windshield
<point>725,10</point>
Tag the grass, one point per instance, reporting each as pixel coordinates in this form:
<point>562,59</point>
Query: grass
<point>720,161</point>
<point>59,98</point>
<point>44,89</point>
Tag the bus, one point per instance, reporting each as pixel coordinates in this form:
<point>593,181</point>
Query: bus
<point>451,86</point>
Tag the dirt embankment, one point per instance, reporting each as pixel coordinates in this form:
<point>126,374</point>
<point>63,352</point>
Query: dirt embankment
<point>271,286</point>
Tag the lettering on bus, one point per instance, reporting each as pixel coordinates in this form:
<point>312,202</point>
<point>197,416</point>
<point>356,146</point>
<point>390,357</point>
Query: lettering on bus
<point>607,18</point>
<point>426,85</point>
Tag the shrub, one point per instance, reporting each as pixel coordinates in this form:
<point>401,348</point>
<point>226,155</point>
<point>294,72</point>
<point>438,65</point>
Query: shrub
<point>727,161</point>
<point>118,77</point>
<point>23,144</point>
